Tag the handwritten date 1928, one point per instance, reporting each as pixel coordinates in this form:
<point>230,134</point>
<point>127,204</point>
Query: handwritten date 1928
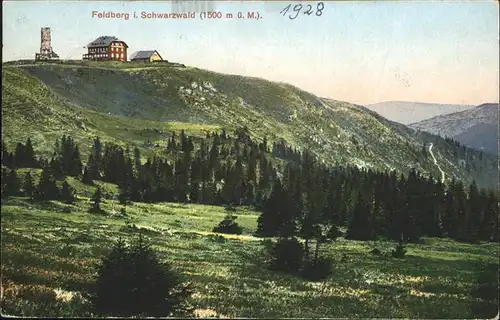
<point>305,9</point>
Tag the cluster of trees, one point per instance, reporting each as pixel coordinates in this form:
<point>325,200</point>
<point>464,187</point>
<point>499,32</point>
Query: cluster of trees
<point>64,162</point>
<point>22,157</point>
<point>473,159</point>
<point>46,189</point>
<point>223,170</point>
<point>375,204</point>
<point>297,195</point>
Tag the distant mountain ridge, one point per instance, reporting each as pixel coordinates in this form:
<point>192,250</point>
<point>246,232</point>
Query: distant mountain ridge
<point>407,112</point>
<point>476,127</point>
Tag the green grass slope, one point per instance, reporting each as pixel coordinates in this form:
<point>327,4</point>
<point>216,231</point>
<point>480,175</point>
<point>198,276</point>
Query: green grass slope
<point>130,103</point>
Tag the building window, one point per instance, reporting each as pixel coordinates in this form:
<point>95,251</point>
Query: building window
<point>121,56</point>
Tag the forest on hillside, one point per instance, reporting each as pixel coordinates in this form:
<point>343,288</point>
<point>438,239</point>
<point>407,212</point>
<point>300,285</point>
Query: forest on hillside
<point>296,195</point>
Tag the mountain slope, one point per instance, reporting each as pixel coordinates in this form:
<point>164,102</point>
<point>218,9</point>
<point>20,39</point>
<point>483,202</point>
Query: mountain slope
<point>132,103</point>
<point>477,127</point>
<point>407,112</point>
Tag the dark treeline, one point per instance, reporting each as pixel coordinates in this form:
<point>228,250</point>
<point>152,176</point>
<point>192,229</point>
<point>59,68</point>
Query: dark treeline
<point>296,194</point>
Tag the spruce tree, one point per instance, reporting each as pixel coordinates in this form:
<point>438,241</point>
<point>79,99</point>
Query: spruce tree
<point>92,168</point>
<point>3,182</point>
<point>459,207</point>
<point>96,199</point>
<point>7,157</point>
<point>76,163</point>
<point>489,220</point>
<point>56,168</point>
<point>29,155</point>
<point>469,226</point>
<point>132,281</point>
<point>87,176</point>
<point>97,153</point>
<point>28,185</point>
<point>268,223</point>
<point>67,193</point>
<point>19,156</point>
<point>47,187</point>
<point>360,227</point>
<point>413,206</point>
<point>194,186</point>
<point>125,195</point>
<point>13,184</point>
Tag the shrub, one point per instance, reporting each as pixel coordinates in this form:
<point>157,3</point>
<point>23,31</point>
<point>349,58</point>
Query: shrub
<point>67,209</point>
<point>96,199</point>
<point>400,251</point>
<point>217,238</point>
<point>317,270</point>
<point>286,255</point>
<point>133,282</point>
<point>334,233</point>
<point>228,225</point>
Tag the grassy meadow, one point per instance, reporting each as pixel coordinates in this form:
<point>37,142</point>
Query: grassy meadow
<point>49,251</point>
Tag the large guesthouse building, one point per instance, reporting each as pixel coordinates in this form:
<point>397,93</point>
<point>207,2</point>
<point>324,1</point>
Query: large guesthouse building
<point>106,48</point>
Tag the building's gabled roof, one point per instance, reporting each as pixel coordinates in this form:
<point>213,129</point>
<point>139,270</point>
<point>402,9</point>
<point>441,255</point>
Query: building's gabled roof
<point>146,54</point>
<point>103,41</point>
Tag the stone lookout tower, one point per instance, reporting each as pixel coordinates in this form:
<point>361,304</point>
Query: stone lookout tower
<point>46,52</point>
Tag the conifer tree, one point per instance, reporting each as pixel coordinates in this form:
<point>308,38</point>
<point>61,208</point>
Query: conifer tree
<point>19,156</point>
<point>125,195</point>
<point>13,184</point>
<point>29,155</point>
<point>7,157</point>
<point>3,182</point>
<point>76,163</point>
<point>92,168</point>
<point>360,227</point>
<point>47,187</point>
<point>96,199</point>
<point>3,150</point>
<point>412,209</point>
<point>97,153</point>
<point>67,193</point>
<point>469,226</point>
<point>28,185</point>
<point>195,195</point>
<point>87,176</point>
<point>489,219</point>
<point>132,282</point>
<point>269,222</point>
<point>459,207</point>
<point>181,179</point>
<point>56,168</point>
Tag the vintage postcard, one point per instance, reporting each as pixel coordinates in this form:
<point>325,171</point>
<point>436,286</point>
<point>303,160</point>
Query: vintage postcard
<point>250,159</point>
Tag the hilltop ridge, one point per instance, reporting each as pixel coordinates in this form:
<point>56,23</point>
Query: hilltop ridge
<point>476,127</point>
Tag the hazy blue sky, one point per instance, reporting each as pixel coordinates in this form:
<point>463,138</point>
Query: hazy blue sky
<point>362,52</point>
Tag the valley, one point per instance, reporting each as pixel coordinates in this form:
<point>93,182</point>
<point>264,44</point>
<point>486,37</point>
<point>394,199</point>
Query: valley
<point>93,152</point>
